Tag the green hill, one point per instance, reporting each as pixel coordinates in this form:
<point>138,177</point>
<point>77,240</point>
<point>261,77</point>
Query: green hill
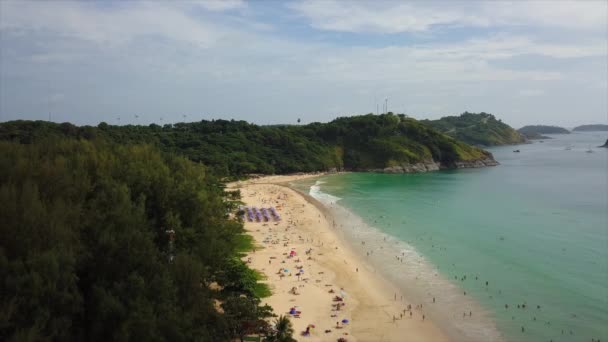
<point>367,142</point>
<point>591,128</point>
<point>537,131</point>
<point>477,129</point>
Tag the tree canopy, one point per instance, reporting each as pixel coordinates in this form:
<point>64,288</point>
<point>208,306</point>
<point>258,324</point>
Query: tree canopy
<point>238,148</point>
<point>85,252</point>
<point>477,129</point>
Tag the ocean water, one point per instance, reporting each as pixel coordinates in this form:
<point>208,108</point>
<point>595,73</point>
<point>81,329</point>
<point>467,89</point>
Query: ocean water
<point>534,228</point>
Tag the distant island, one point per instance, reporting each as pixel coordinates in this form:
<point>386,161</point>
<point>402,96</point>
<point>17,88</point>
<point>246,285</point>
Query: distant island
<point>591,128</point>
<point>605,144</point>
<point>537,131</point>
<point>380,143</point>
<point>477,129</point>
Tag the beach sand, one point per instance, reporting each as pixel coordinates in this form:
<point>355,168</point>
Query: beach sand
<point>375,308</point>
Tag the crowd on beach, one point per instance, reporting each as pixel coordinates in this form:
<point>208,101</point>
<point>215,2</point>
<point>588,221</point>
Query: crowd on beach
<point>298,271</point>
<point>302,274</point>
<point>294,260</point>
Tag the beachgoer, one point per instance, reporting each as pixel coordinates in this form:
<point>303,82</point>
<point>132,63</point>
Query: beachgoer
<point>423,317</point>
<point>433,299</point>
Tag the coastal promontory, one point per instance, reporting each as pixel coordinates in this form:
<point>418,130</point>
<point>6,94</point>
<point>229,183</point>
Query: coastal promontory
<point>481,129</point>
<point>591,128</point>
<point>537,131</point>
<point>391,142</point>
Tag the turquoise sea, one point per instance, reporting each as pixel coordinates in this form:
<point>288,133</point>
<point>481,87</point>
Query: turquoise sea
<point>535,228</point>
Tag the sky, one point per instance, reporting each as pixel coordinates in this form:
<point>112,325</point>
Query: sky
<point>269,62</point>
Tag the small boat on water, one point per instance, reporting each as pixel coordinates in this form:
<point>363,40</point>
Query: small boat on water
<point>517,151</point>
<point>589,150</point>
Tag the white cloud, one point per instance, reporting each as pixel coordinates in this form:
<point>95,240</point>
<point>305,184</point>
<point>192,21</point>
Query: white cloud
<point>374,17</point>
<point>168,57</point>
<point>222,5</point>
<point>586,14</point>
<point>116,25</point>
<point>417,16</point>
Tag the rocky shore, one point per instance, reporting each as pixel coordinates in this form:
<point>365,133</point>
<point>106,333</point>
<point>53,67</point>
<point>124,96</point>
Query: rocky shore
<point>432,165</point>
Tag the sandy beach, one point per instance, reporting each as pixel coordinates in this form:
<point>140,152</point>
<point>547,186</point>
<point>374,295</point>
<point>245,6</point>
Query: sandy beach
<point>308,266</point>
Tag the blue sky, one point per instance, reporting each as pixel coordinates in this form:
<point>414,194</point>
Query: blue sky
<point>527,62</point>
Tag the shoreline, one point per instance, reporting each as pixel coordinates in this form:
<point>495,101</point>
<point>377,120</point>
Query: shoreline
<point>374,307</point>
<point>398,263</point>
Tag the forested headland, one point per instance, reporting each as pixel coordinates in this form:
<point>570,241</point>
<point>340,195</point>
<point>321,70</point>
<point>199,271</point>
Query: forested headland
<point>477,129</point>
<point>232,148</point>
<point>537,131</point>
<point>591,128</point>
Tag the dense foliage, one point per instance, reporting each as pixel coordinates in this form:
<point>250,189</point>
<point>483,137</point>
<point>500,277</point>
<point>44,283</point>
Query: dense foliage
<point>85,254</point>
<point>591,128</point>
<point>477,129</point>
<point>89,213</point>
<point>237,147</point>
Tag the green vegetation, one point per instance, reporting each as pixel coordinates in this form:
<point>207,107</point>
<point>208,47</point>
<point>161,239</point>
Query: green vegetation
<point>127,233</point>
<point>591,128</point>
<point>235,148</point>
<point>282,332</point>
<point>86,255</point>
<point>537,131</point>
<point>244,243</point>
<point>477,129</point>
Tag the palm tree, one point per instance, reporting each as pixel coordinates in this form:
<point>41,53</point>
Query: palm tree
<point>283,331</point>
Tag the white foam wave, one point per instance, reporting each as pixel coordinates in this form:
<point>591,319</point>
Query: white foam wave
<point>408,269</point>
<point>327,199</point>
